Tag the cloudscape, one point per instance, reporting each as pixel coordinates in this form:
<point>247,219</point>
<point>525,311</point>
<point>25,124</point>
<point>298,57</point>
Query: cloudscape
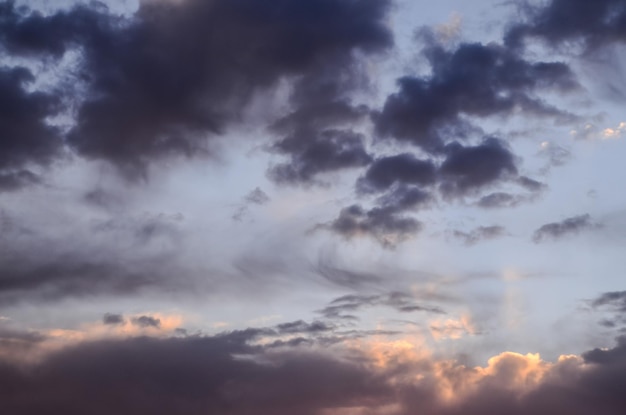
<point>314,207</point>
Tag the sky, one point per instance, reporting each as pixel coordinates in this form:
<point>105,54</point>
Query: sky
<point>315,207</point>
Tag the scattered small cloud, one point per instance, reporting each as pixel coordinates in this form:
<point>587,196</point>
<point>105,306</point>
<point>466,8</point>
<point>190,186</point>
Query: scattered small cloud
<point>113,319</point>
<point>593,132</point>
<point>146,321</point>
<point>569,226</point>
<point>482,233</point>
<point>452,329</point>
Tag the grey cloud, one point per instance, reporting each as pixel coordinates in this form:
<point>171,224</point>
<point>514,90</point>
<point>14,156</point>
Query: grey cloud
<point>257,197</point>
<point>436,113</point>
<point>73,264</point>
<point>14,340</point>
<point>152,89</point>
<point>143,229</point>
<point>530,184</point>
<point>147,321</point>
<point>614,304</point>
<point>404,198</point>
<point>557,155</point>
<point>475,80</point>
<point>314,152</point>
<point>227,374</point>
<point>344,307</point>
<point>113,319</point>
<point>403,168</point>
<point>479,234</point>
<point>303,327</point>
<point>319,135</point>
<point>614,300</point>
<point>384,224</point>
<point>69,276</point>
<point>103,198</point>
<point>345,277</point>
<point>26,138</point>
<point>467,169</point>
<point>499,200</point>
<point>192,375</point>
<point>17,179</point>
<point>79,259</point>
<point>566,227</point>
<point>594,24</point>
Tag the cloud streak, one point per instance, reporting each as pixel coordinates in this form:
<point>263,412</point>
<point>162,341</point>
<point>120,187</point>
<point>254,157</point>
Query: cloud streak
<point>569,226</point>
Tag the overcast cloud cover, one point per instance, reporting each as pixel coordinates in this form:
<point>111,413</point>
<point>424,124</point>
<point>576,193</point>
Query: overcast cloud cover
<point>324,207</point>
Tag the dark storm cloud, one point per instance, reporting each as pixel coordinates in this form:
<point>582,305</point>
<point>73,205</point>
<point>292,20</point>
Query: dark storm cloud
<point>163,81</point>
<point>466,169</point>
<point>25,137</point>
<point>566,227</point>
<point>193,375</point>
<point>592,23</point>
<point>403,168</point>
<point>479,234</point>
<point>228,374</point>
<point>474,80</point>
